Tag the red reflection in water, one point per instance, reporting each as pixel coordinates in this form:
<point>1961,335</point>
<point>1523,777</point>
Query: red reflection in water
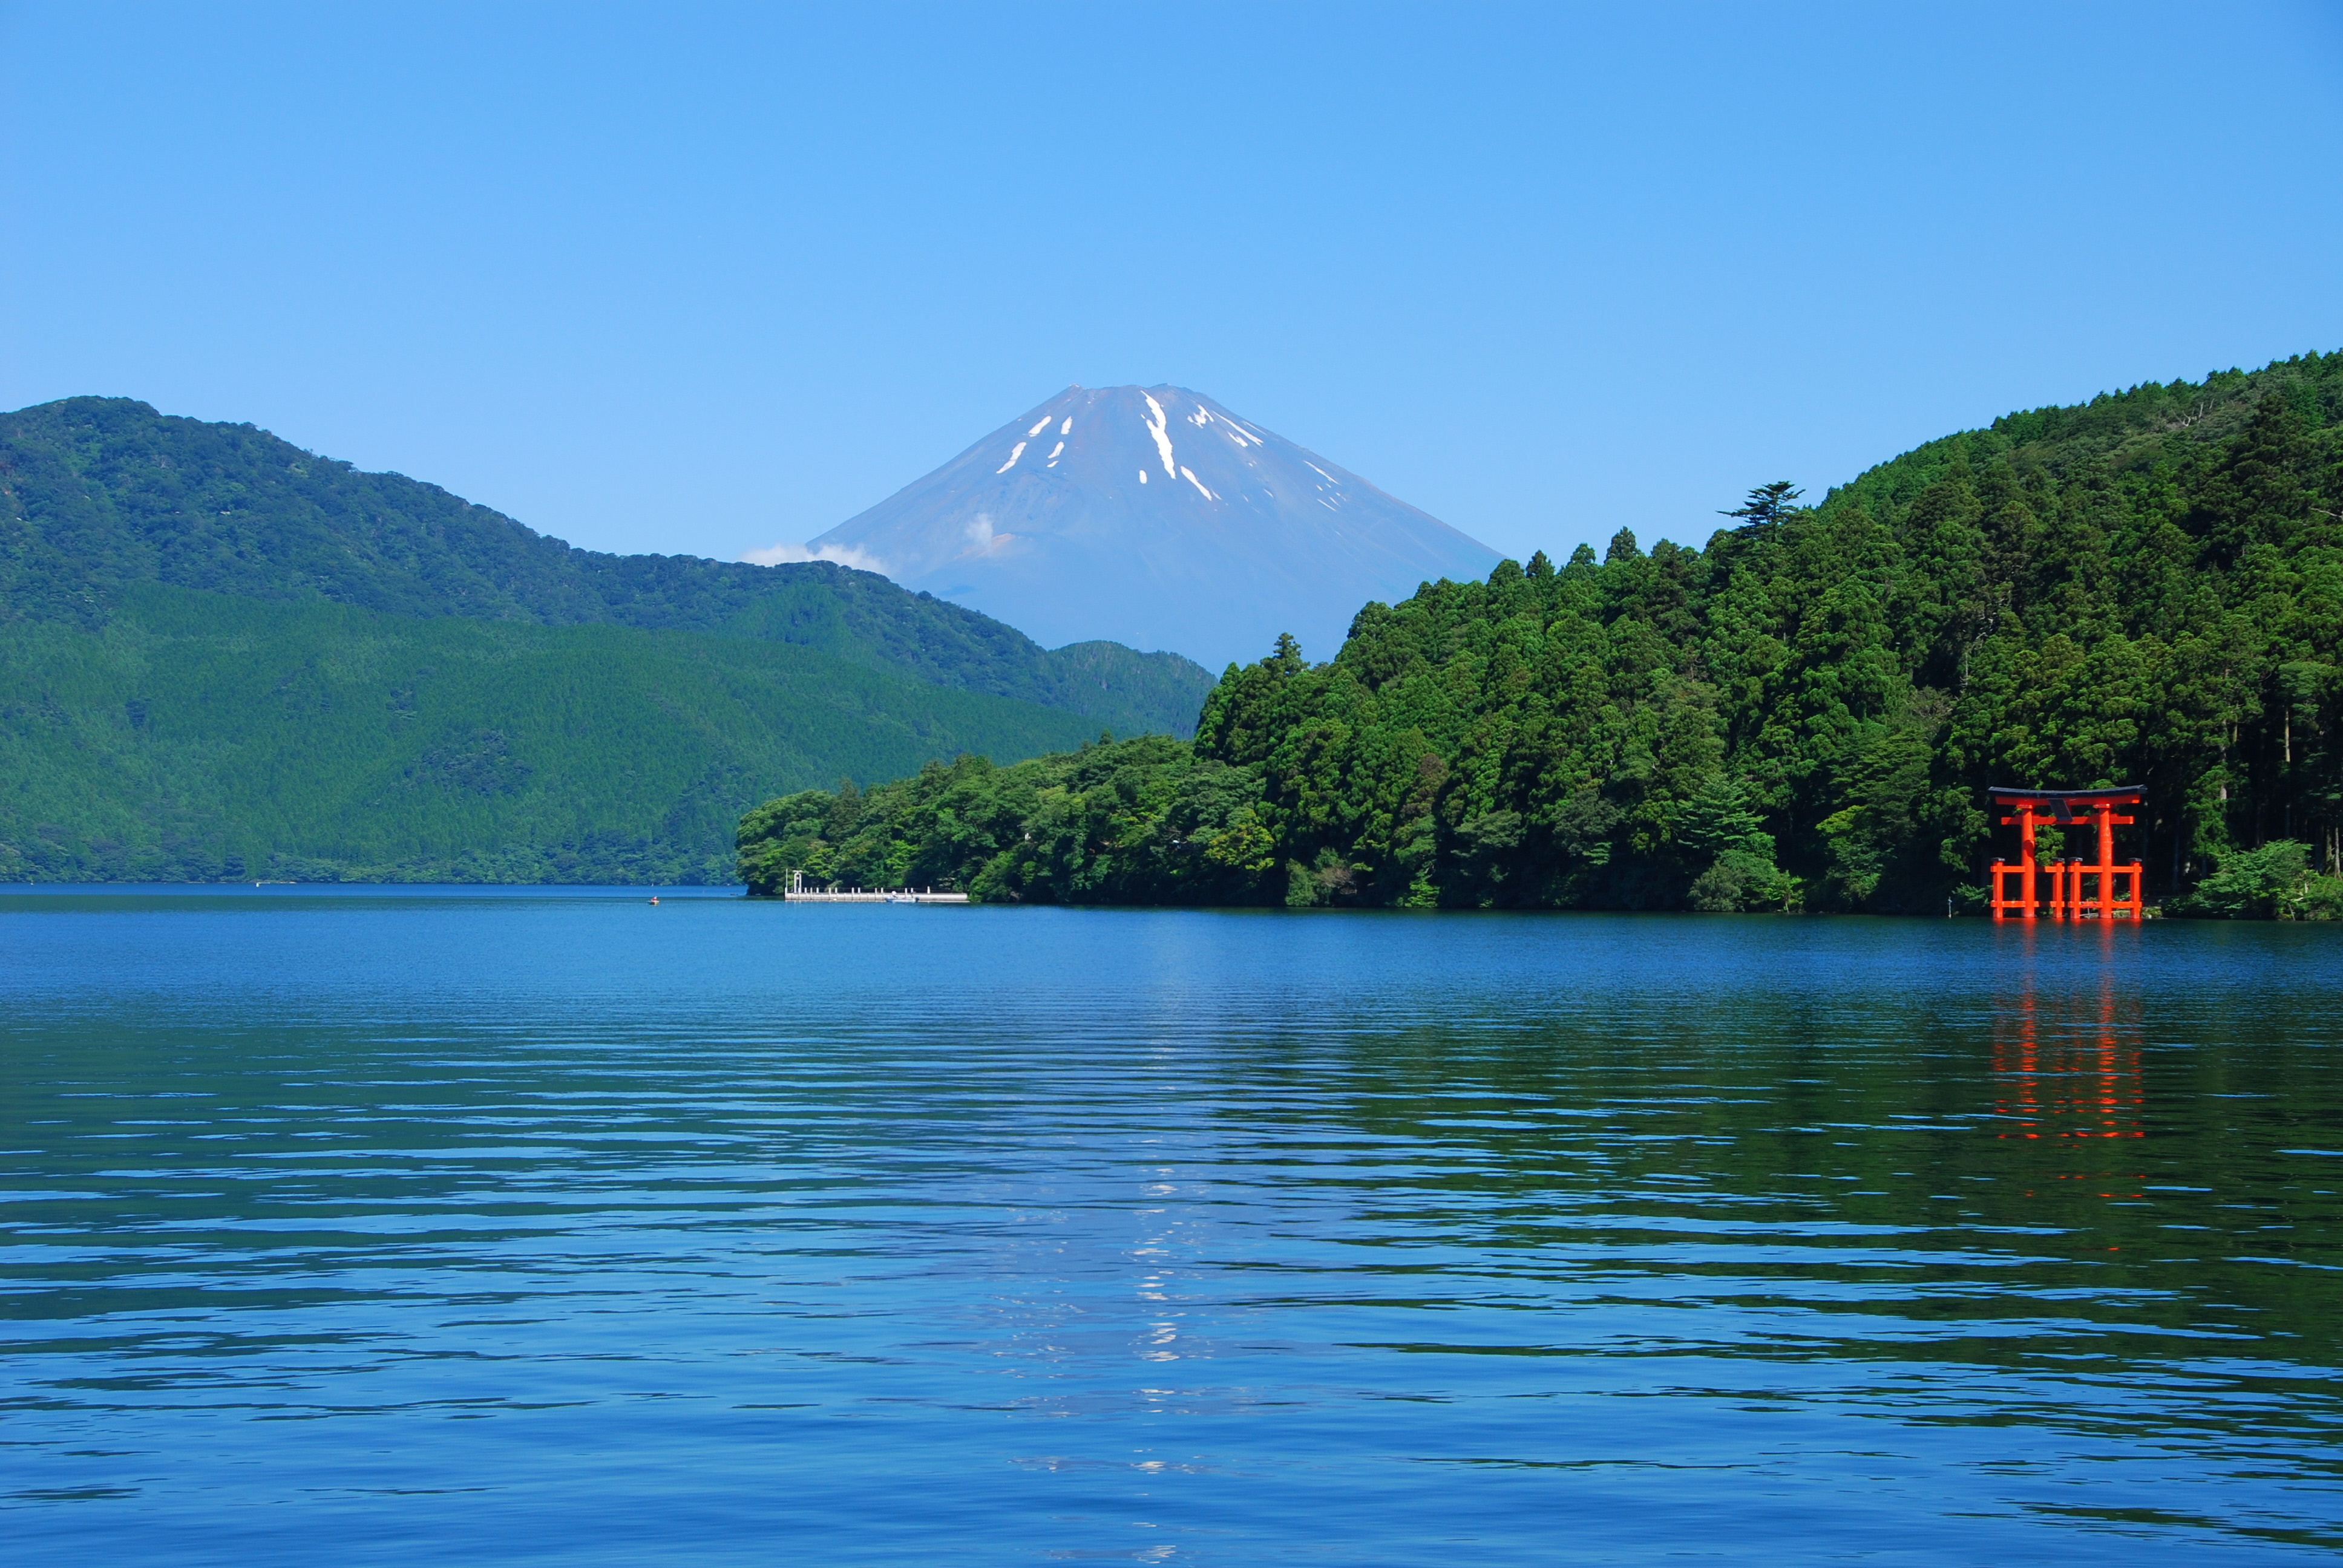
<point>2069,1067</point>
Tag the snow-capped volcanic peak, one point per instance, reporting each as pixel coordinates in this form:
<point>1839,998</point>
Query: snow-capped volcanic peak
<point>1156,517</point>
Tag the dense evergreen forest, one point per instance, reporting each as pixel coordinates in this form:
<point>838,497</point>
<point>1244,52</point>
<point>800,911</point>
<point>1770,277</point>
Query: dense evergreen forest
<point>224,657</point>
<point>198,739</point>
<point>1803,713</point>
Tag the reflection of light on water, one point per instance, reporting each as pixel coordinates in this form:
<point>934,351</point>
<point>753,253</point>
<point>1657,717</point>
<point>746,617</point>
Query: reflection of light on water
<point>1153,1285</point>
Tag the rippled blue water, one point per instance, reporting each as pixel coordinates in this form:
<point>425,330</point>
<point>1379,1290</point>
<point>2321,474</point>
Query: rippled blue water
<point>379,1228</point>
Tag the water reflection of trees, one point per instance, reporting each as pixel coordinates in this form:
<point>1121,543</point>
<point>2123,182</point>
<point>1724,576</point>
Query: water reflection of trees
<point>2009,1169</point>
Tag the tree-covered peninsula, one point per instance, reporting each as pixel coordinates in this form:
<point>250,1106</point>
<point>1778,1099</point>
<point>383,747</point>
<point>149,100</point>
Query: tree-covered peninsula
<point>1803,713</point>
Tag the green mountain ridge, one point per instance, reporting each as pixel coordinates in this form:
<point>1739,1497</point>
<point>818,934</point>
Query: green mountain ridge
<point>2145,589</point>
<point>222,657</point>
<point>100,493</point>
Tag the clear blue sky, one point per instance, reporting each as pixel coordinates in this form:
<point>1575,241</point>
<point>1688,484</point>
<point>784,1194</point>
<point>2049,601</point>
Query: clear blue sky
<point>703,279</point>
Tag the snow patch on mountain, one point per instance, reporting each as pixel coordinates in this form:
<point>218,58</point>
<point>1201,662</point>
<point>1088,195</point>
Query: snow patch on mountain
<point>1157,427</point>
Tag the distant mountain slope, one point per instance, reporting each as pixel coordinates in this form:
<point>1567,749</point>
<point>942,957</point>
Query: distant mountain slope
<point>100,493</point>
<point>1156,517</point>
<point>197,737</point>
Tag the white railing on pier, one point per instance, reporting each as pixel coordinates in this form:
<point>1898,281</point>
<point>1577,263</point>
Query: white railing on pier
<point>802,894</point>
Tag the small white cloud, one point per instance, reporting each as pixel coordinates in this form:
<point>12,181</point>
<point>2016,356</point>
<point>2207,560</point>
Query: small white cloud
<point>853,556</point>
<point>982,540</point>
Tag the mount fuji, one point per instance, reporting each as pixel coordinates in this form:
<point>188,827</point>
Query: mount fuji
<point>1155,518</point>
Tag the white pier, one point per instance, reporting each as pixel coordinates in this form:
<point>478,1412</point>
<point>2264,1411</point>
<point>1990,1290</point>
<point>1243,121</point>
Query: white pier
<point>799,893</point>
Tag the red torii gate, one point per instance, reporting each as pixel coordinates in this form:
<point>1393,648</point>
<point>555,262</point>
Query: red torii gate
<point>2109,899</point>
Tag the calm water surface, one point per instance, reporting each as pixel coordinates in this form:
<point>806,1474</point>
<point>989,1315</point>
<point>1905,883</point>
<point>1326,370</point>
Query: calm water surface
<point>381,1228</point>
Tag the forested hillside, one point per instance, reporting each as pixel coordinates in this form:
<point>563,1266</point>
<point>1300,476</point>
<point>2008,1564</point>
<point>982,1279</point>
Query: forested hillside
<point>97,493</point>
<point>196,738</point>
<point>1803,713</point>
<point>221,656</point>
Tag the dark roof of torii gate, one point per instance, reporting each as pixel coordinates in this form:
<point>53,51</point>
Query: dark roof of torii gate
<point>2115,793</point>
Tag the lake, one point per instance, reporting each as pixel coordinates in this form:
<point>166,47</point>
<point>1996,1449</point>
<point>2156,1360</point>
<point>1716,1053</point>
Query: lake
<point>524,1225</point>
